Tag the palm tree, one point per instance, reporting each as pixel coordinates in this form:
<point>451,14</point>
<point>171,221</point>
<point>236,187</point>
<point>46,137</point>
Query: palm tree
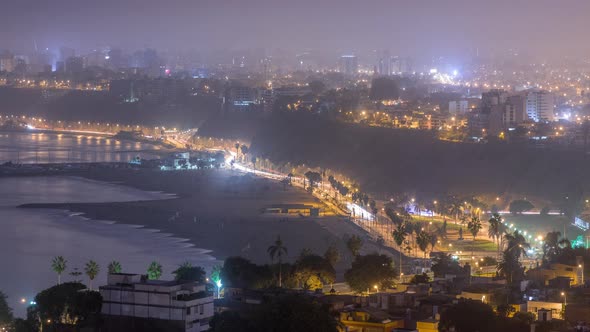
<point>455,209</point>
<point>509,266</point>
<point>278,250</point>
<point>399,236</point>
<point>114,267</point>
<point>244,150</point>
<point>495,230</point>
<point>516,244</point>
<point>423,240</point>
<point>416,228</point>
<point>254,160</point>
<point>59,265</point>
<point>91,269</point>
<point>474,226</point>
<point>154,271</point>
<point>398,216</point>
<point>551,246</point>
<point>433,240</point>
<point>314,178</point>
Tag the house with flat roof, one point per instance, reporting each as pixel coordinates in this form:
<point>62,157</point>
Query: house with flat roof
<point>133,303</point>
<point>552,273</point>
<point>368,320</point>
<point>540,308</point>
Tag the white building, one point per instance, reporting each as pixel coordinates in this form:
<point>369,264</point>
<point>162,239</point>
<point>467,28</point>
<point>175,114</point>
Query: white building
<point>349,65</point>
<point>458,107</point>
<point>130,302</point>
<point>7,63</point>
<point>540,105</point>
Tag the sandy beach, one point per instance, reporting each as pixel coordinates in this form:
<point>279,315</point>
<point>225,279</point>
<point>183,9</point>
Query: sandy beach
<point>219,210</point>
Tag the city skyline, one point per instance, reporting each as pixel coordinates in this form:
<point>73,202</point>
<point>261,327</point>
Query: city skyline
<point>452,28</point>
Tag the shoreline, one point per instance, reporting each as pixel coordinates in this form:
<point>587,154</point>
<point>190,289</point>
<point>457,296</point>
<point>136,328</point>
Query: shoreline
<point>216,210</point>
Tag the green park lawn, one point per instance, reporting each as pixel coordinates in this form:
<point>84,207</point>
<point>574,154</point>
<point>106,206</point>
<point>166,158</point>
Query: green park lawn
<point>468,245</point>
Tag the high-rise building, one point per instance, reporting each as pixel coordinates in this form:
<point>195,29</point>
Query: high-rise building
<point>241,98</point>
<point>96,58</point>
<point>492,98</point>
<point>540,105</point>
<point>7,62</point>
<point>302,61</point>
<point>458,106</point>
<point>349,65</point>
<point>65,53</point>
<point>400,65</point>
<point>384,65</point>
<point>147,61</point>
<point>60,67</point>
<point>266,68</point>
<point>40,60</point>
<point>74,65</point>
<point>514,111</point>
<point>115,59</point>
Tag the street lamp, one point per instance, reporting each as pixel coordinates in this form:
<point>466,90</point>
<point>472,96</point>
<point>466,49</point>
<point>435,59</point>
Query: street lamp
<point>218,284</point>
<point>435,206</point>
<point>581,267</point>
<point>564,299</point>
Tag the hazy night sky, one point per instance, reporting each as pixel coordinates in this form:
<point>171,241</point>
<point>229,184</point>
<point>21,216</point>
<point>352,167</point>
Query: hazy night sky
<point>406,27</point>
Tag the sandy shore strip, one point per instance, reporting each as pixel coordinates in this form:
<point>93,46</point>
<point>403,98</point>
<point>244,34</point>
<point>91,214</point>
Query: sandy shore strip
<point>219,210</point>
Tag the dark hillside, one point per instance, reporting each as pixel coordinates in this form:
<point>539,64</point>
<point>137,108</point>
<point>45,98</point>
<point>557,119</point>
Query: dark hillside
<point>386,160</point>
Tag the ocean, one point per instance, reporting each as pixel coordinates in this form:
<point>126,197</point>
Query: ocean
<point>30,238</point>
<point>40,147</point>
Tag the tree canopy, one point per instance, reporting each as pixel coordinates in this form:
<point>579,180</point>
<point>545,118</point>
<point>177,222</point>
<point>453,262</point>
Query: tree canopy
<point>354,243</point>
<point>444,264</point>
<point>398,216</point>
<point>310,269</point>
<point>186,271</point>
<point>384,88</point>
<point>66,304</point>
<point>5,310</point>
<point>332,255</point>
<point>240,272</point>
<point>314,178</point>
<point>369,271</point>
<point>468,316</point>
<point>284,312</point>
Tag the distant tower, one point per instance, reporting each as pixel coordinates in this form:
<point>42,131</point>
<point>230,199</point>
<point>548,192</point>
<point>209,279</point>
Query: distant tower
<point>349,65</point>
<point>385,64</point>
<point>132,98</point>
